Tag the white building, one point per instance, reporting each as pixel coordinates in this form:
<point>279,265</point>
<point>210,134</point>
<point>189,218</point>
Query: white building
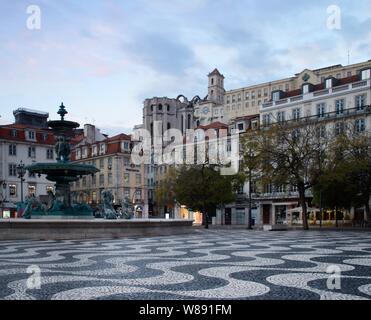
<point>330,104</point>
<point>28,140</point>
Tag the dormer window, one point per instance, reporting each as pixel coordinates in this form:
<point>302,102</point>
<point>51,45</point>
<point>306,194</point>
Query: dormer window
<point>102,149</point>
<point>13,133</point>
<point>95,150</point>
<point>366,74</point>
<point>84,152</point>
<point>307,88</point>
<point>330,82</point>
<point>31,135</point>
<point>78,154</point>
<point>276,95</point>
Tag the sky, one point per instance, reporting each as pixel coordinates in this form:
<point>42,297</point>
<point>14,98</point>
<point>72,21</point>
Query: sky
<point>103,58</point>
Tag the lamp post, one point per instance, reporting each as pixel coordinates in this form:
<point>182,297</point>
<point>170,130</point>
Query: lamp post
<point>21,171</point>
<point>3,198</point>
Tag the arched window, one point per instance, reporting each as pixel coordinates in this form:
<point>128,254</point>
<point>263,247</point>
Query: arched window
<point>160,107</point>
<point>151,108</point>
<point>189,122</point>
<point>198,123</point>
<point>212,81</point>
<point>168,126</point>
<point>182,124</point>
<point>168,108</point>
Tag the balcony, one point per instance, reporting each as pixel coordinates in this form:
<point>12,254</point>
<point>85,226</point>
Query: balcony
<point>320,93</point>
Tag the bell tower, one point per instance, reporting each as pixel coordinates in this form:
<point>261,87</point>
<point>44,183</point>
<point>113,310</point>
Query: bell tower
<point>216,87</point>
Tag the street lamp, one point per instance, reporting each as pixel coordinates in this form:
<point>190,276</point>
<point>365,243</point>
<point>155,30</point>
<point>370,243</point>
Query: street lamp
<point>21,171</point>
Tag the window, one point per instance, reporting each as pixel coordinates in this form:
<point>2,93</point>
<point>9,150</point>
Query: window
<point>31,135</point>
<point>167,108</point>
<point>95,150</point>
<point>321,110</point>
<point>101,179</point>
<point>339,106</point>
<point>126,193</point>
<point>31,175</point>
<point>84,181</point>
<point>349,73</point>
<point>253,95</point>
<point>12,190</point>
<point>360,102</point>
<point>268,188</point>
<point>12,149</point>
<point>126,177</point>
<point>84,152</point>
<point>50,154</point>
<point>287,87</point>
<point>338,76</point>
<point>265,92</point>
<point>138,178</point>
<point>239,97</point>
<point>160,107</point>
<point>94,179</point>
<point>321,132</point>
<point>13,133</point>
<point>228,99</point>
<point>247,96</point>
<point>280,188</point>
<point>126,162</point>
<point>247,104</point>
<point>110,179</point>
<point>241,127</point>
<point>296,114</point>
<point>110,163</point>
<point>32,152</point>
<point>233,99</point>
<point>305,88</point>
<point>360,125</point>
<point>259,93</point>
<point>101,163</point>
<point>281,116</point>
<point>138,194</point>
<point>12,170</point>
<point>328,83</point>
<point>366,74</point>
<point>339,128</point>
<point>276,96</point>
<point>266,120</point>
<point>45,136</point>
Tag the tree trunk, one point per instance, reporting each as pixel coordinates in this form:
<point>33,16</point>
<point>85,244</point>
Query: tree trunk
<point>368,211</point>
<point>205,217</point>
<point>304,208</point>
<point>336,217</point>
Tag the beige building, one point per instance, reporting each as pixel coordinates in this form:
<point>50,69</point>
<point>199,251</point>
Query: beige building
<point>247,101</point>
<point>112,156</point>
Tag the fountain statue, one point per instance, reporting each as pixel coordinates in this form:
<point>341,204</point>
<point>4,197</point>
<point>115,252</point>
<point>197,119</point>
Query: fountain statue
<point>63,172</point>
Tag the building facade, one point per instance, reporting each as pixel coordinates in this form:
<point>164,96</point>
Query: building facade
<point>27,140</point>
<point>332,105</point>
<point>247,101</point>
<point>112,156</point>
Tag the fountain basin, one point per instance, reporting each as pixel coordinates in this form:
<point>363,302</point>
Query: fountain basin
<point>17,229</point>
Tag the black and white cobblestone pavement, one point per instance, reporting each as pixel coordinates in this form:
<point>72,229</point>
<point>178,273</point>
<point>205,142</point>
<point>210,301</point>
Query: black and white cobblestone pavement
<point>215,264</point>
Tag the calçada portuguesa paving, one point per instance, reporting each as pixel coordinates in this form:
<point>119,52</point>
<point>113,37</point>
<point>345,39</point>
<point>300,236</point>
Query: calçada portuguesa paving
<point>214,264</point>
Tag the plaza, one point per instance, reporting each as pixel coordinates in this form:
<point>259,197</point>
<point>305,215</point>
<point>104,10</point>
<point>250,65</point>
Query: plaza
<point>207,264</point>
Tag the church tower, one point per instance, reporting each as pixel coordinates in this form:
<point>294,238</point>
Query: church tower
<point>216,87</point>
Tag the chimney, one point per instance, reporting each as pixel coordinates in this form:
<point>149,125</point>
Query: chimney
<point>89,133</point>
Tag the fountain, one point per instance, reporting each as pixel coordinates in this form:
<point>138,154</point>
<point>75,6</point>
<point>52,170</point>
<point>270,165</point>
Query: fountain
<point>63,172</point>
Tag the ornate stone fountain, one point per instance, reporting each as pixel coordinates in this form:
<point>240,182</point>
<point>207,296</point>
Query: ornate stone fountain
<point>63,172</point>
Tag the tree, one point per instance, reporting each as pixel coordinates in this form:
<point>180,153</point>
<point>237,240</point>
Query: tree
<point>164,192</point>
<point>357,153</point>
<point>202,187</point>
<point>250,170</point>
<point>291,154</point>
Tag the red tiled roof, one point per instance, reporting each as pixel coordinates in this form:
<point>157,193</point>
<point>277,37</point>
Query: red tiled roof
<point>6,134</point>
<point>214,125</point>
